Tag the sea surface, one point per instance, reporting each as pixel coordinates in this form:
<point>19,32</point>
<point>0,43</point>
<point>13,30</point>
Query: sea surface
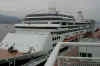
<point>4,29</point>
<point>97,25</point>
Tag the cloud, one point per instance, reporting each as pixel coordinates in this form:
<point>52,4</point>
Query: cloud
<point>90,8</point>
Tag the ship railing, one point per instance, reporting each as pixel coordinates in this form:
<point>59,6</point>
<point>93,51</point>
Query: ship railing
<point>77,61</point>
<point>72,58</point>
<point>37,61</point>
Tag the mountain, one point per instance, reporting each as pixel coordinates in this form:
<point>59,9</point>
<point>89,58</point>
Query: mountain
<point>6,23</point>
<point>9,19</point>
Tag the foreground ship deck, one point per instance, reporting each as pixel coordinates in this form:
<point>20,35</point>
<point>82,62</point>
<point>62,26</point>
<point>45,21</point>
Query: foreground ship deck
<point>72,57</point>
<point>4,54</point>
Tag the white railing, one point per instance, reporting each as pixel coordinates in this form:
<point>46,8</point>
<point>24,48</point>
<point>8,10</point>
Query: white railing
<point>51,60</point>
<point>56,60</point>
<point>88,64</point>
<point>80,44</point>
<point>75,61</point>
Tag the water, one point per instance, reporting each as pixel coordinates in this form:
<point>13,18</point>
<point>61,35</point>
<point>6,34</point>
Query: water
<point>97,25</point>
<point>4,29</point>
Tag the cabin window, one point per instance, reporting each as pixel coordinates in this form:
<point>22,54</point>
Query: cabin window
<point>70,23</point>
<point>51,32</point>
<point>53,38</point>
<point>54,45</point>
<point>58,37</point>
<point>63,23</point>
<point>55,22</point>
<point>83,54</point>
<point>59,32</point>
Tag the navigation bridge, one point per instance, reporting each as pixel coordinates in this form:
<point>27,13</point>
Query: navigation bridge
<point>75,54</point>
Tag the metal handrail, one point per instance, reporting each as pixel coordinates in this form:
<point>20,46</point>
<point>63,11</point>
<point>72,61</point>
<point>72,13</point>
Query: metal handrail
<point>80,44</point>
<point>51,60</point>
<point>79,58</point>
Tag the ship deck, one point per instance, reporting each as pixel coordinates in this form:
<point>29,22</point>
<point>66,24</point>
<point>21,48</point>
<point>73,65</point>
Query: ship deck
<point>4,54</point>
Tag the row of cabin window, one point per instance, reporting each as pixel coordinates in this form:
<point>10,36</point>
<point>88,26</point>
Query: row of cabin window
<point>61,32</point>
<point>29,19</point>
<point>75,30</point>
<point>49,14</point>
<point>64,23</point>
<point>78,24</point>
<point>82,23</point>
<point>56,38</point>
<point>83,54</point>
<point>73,26</point>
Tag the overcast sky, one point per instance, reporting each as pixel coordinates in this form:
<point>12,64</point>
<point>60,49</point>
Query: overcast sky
<point>90,8</point>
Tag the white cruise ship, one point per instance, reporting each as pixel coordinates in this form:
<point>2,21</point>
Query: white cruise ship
<point>39,34</point>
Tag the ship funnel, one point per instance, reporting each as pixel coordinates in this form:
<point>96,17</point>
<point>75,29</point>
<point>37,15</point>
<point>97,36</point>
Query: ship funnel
<point>52,7</point>
<point>80,16</point>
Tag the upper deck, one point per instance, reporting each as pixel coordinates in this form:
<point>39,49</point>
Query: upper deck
<point>46,17</point>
